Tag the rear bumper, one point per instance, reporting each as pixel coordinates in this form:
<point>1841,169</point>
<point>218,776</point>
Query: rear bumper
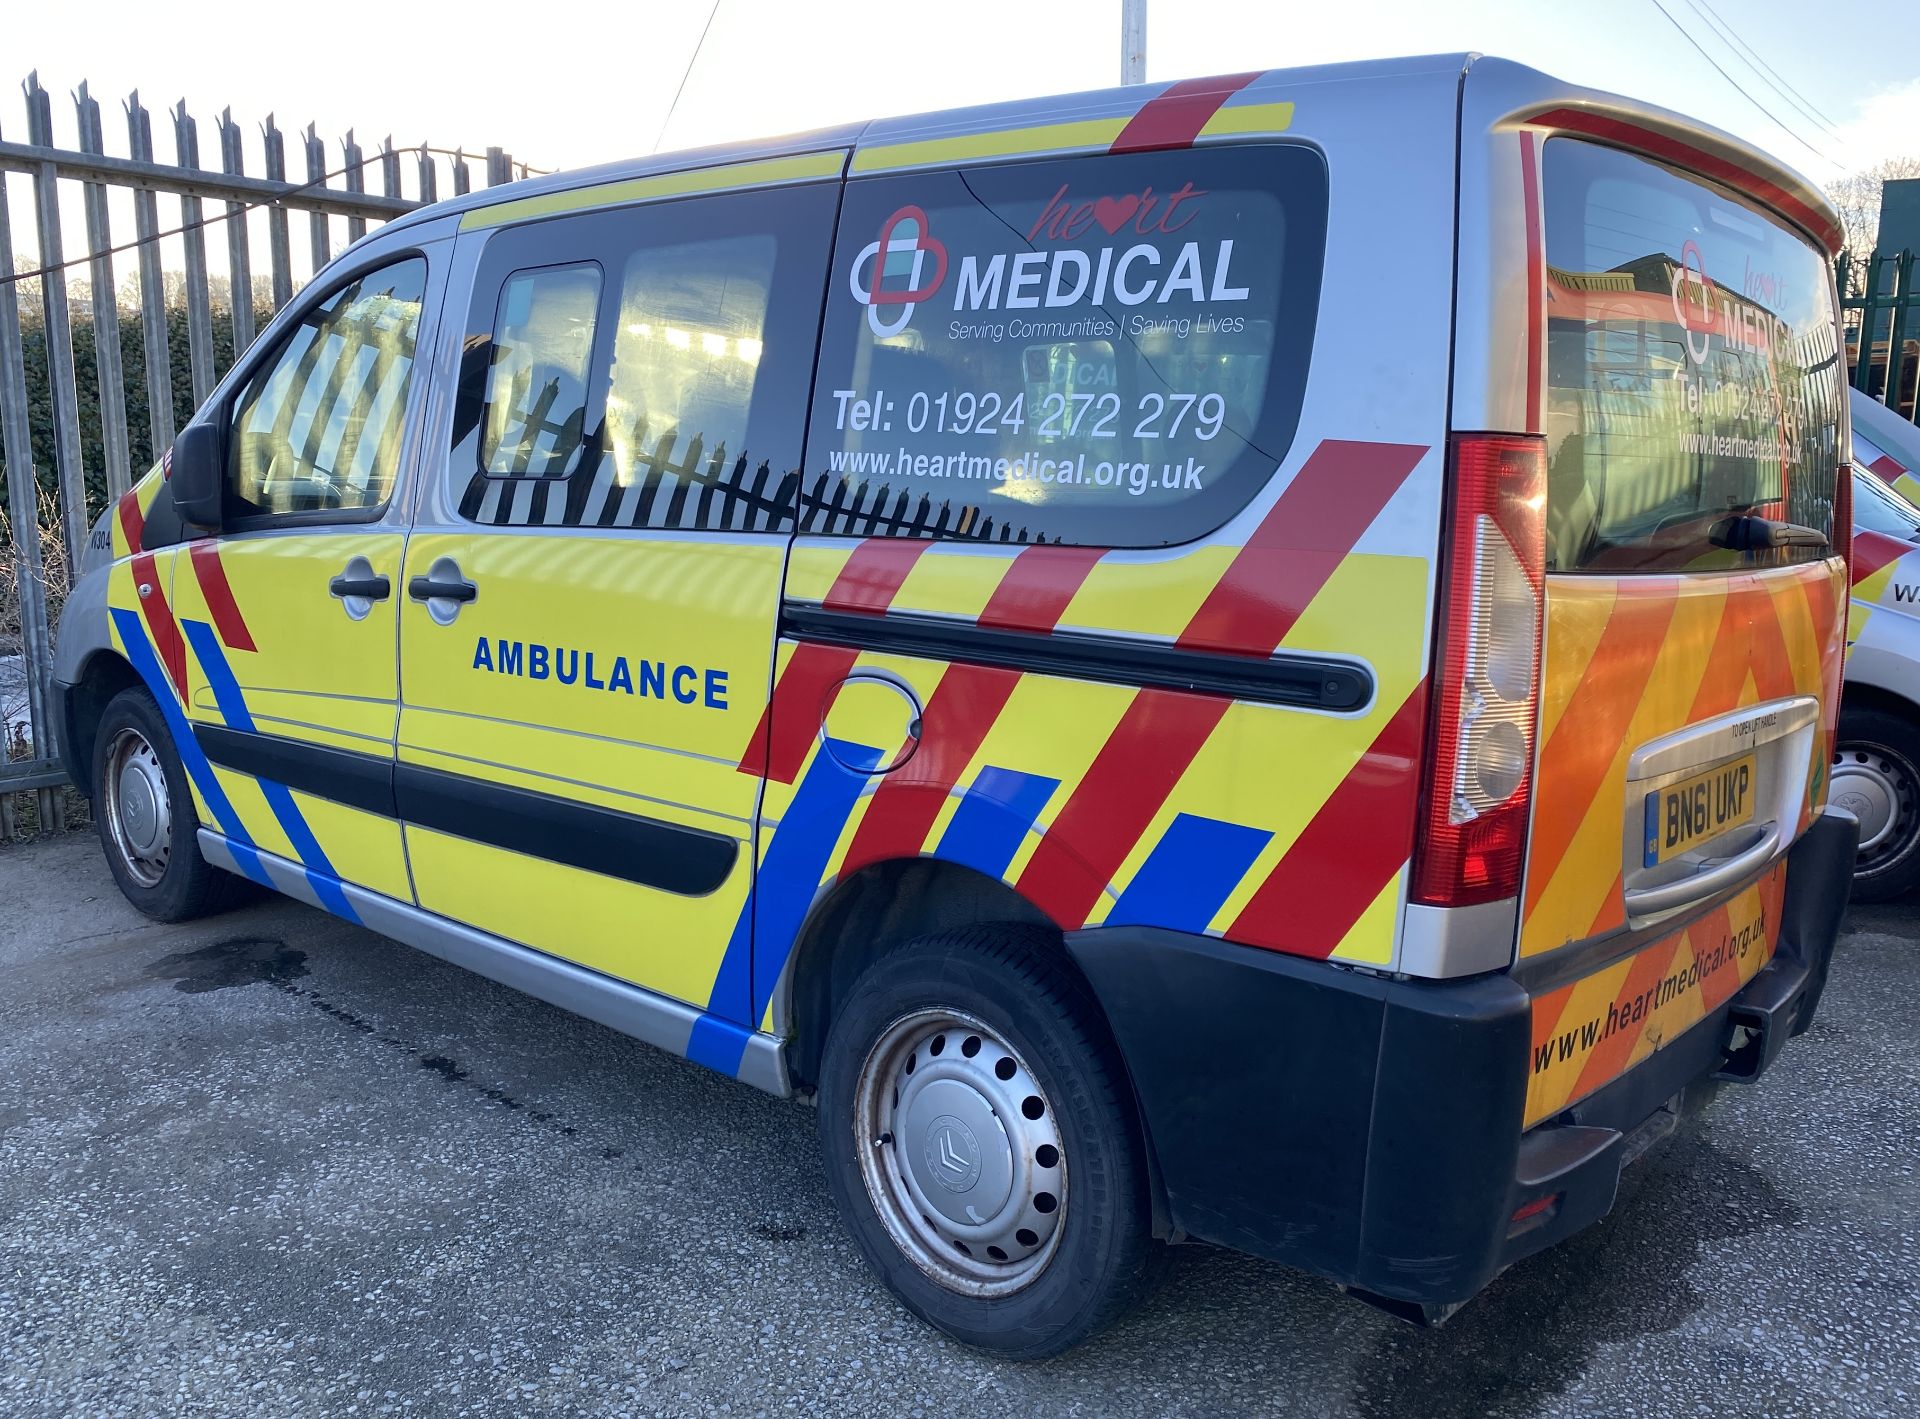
<point>1369,1130</point>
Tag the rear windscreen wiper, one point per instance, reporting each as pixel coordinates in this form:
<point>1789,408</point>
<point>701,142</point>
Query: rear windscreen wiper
<point>1744,532</point>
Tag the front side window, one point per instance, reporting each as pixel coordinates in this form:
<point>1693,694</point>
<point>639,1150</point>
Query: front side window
<point>649,371</point>
<point>1106,350</point>
<point>318,428</point>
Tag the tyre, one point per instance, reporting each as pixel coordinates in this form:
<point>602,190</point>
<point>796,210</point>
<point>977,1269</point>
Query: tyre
<point>982,1143</point>
<point>1876,777</point>
<point>144,811</point>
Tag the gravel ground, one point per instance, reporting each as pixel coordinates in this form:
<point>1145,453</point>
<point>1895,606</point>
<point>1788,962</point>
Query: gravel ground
<point>273,1164</point>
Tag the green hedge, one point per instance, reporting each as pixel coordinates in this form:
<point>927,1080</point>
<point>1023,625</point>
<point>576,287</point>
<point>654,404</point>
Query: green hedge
<point>133,365</point>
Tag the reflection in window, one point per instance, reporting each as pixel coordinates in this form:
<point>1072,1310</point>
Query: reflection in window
<point>691,329</point>
<point>537,385</point>
<point>318,429</point>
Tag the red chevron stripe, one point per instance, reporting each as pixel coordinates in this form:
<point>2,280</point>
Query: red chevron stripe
<point>1132,775</point>
<point>133,522</point>
<point>225,611</point>
<point>1175,117</point>
<point>160,623</point>
<point>1312,526</point>
<point>1873,550</point>
<point>1355,845</point>
<point>1886,469</point>
<point>1038,586</point>
<point>1310,529</point>
<point>1536,274</point>
<point>959,715</point>
<point>807,687</point>
<point>1032,594</point>
<point>873,574</point>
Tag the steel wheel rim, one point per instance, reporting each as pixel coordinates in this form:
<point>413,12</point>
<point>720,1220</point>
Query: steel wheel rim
<point>1881,789</point>
<point>138,810</point>
<point>960,1152</point>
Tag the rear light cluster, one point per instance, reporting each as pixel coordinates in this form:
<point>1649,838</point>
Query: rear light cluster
<point>1486,686</point>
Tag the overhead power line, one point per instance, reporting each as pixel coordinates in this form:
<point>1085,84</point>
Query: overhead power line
<point>1766,71</point>
<point>685,74</point>
<point>1720,69</point>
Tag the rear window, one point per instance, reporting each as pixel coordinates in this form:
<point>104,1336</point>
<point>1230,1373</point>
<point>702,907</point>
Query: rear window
<point>1108,351</point>
<point>1691,367</point>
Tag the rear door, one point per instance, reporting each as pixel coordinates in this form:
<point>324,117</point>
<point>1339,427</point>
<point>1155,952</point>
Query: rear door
<point>592,583</point>
<point>1694,411</point>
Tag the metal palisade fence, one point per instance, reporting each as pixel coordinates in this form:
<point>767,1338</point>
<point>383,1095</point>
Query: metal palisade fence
<point>1880,304</point>
<point>118,317</point>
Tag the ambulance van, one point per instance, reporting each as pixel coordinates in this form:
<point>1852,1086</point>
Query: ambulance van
<point>1248,661</point>
<point>1876,759</point>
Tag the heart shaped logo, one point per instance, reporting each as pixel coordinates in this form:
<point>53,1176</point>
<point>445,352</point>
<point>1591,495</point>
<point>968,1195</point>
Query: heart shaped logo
<point>1113,213</point>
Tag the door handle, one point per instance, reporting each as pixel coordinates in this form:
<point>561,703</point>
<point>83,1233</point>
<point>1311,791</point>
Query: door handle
<point>432,588</point>
<point>367,588</point>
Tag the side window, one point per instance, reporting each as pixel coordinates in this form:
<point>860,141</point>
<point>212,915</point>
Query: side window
<point>318,428</point>
<point>537,387</point>
<point>644,367</point>
<point>1106,350</point>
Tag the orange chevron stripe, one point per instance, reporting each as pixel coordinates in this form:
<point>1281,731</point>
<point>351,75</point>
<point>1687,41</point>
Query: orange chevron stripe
<point>1610,1056</point>
<point>1575,762</point>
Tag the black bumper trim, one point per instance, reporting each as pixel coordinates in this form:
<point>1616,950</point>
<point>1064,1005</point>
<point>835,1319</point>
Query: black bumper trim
<point>1369,1129</point>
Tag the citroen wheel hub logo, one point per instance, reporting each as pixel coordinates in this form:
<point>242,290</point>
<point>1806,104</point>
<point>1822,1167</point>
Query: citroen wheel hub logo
<point>953,1154</point>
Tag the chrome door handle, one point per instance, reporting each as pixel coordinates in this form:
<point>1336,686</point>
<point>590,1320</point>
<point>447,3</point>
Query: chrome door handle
<point>1651,901</point>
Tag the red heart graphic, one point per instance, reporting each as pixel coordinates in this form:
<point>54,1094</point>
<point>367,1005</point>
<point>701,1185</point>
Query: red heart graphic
<point>1114,213</point>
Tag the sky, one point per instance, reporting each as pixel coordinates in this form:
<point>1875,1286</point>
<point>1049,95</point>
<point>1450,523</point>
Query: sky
<point>570,85</point>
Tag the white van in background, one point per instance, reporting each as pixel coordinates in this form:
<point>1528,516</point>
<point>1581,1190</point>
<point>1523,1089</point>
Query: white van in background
<point>1876,764</point>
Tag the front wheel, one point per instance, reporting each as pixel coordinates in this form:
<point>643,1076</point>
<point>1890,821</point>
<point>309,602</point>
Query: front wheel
<point>1876,777</point>
<point>982,1144</point>
<point>145,814</point>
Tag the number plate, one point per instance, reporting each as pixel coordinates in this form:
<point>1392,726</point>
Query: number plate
<point>1683,815</point>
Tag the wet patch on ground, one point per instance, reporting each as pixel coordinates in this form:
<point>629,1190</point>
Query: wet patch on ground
<point>263,960</point>
<point>1534,1331</point>
<point>239,960</point>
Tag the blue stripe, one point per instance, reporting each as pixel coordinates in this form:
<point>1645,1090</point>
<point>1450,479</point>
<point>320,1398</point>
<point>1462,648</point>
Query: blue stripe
<point>993,819</point>
<point>1186,878</point>
<point>233,709</point>
<point>133,637</point>
<point>783,888</point>
<point>718,1044</point>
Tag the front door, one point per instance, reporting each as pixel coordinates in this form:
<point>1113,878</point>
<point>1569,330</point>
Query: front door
<point>590,593</point>
<point>290,617</point>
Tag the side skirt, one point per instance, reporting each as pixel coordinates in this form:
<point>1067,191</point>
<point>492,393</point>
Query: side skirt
<point>619,1005</point>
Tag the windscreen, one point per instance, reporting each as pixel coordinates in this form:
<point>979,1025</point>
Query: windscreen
<point>1692,370</point>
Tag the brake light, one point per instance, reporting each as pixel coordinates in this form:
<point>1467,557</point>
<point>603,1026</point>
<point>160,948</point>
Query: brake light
<point>1486,686</point>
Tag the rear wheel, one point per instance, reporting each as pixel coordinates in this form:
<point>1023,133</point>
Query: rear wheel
<point>1876,777</point>
<point>982,1144</point>
<point>145,814</point>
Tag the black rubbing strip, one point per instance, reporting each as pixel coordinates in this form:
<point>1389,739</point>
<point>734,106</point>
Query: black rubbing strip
<point>1312,681</point>
<point>687,861</point>
<point>358,780</point>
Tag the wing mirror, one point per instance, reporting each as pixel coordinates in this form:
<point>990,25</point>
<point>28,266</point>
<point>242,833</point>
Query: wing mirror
<point>197,476</point>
